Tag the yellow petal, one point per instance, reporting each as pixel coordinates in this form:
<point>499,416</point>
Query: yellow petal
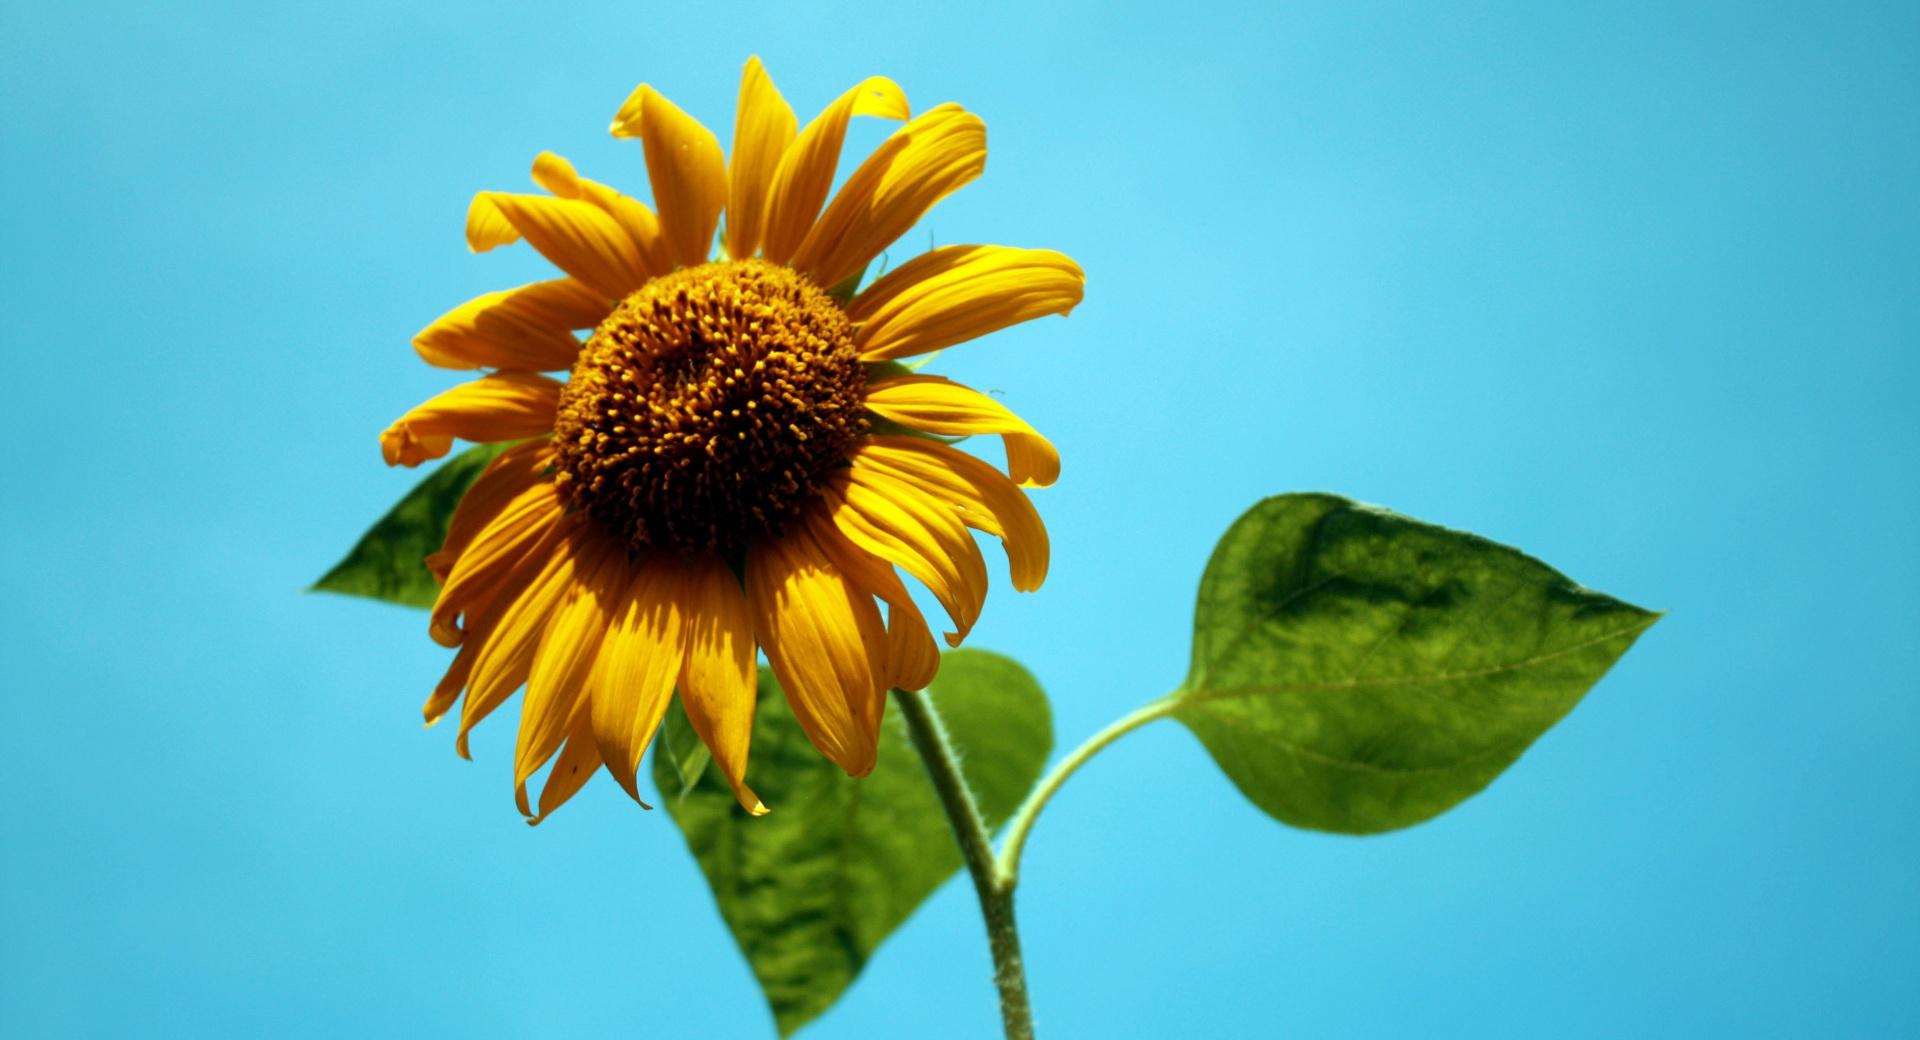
<point>896,522</point>
<point>805,174</point>
<point>571,771</point>
<point>958,293</point>
<point>558,176</point>
<point>912,656</point>
<point>557,683</point>
<point>527,328</point>
<point>826,643</point>
<point>717,680</point>
<point>687,169</point>
<point>487,225</point>
<point>512,474</point>
<point>503,406</point>
<point>639,660</point>
<point>578,237</point>
<point>526,527</point>
<point>484,614</point>
<point>451,684</point>
<point>506,656</point>
<point>762,129</point>
<point>936,405</point>
<point>922,163</point>
<point>982,496</point>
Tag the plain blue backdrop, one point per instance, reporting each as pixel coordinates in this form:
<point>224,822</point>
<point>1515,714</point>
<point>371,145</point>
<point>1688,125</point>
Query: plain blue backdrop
<point>1632,286</point>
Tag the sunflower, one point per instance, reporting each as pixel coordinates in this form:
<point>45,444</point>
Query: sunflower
<point>736,461</point>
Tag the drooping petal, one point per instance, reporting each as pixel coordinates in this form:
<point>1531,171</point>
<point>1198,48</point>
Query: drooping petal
<point>506,655</point>
<point>502,406</point>
<point>687,169</point>
<point>451,684</point>
<point>526,527</point>
<point>826,643</point>
<point>933,404</point>
<point>528,328</point>
<point>557,683</point>
<point>558,176</point>
<point>957,293</point>
<point>896,522</point>
<point>912,656</point>
<point>922,163</point>
<point>763,127</point>
<point>984,498</point>
<point>805,174</point>
<point>482,618</point>
<point>577,236</point>
<point>508,476</point>
<point>639,660</point>
<point>717,680</point>
<point>571,771</point>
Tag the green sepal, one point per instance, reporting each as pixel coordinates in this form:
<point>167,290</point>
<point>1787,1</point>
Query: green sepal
<point>844,290</point>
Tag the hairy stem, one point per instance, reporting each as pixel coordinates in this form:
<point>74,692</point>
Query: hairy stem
<point>994,889</point>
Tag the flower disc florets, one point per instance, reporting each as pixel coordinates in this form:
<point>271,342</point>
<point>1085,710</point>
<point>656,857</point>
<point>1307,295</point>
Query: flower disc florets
<point>706,408</point>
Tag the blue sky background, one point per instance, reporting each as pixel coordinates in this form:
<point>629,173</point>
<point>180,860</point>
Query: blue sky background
<point>1629,285</point>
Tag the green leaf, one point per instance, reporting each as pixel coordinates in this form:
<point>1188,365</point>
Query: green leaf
<point>389,561</point>
<point>686,755</point>
<point>812,888</point>
<point>1357,671</point>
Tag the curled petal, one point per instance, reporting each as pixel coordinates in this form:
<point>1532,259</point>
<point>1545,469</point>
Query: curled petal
<point>558,176</point>
<point>982,496</point>
<point>898,523</point>
<point>529,328</point>
<point>957,293</point>
<point>686,166</point>
<point>577,236</point>
<point>936,405</point>
<point>503,406</point>
<point>922,163</point>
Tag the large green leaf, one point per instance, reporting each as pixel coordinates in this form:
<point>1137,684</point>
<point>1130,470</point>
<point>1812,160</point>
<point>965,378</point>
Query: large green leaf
<point>389,560</point>
<point>812,888</point>
<point>1358,671</point>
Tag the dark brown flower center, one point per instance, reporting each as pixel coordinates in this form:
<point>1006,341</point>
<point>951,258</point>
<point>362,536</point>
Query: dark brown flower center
<point>706,408</point>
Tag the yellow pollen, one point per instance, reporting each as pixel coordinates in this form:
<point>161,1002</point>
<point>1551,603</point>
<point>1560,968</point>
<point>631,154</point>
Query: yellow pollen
<point>706,408</point>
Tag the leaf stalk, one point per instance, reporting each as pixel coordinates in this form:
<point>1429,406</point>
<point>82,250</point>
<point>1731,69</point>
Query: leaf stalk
<point>1007,863</point>
<point>996,875</point>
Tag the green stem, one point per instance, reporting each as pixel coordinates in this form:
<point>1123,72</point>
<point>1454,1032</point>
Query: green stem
<point>1007,865</point>
<point>995,890</point>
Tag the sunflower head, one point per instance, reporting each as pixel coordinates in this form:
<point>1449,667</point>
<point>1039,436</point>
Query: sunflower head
<point>709,482</point>
<point>705,410</point>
